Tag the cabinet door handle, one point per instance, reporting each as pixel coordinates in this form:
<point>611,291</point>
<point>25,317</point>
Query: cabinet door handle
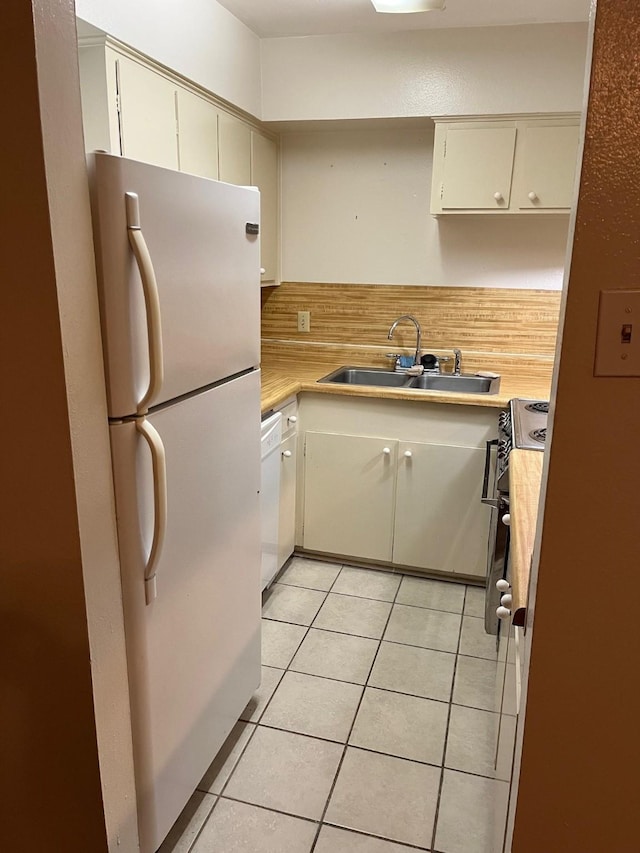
<point>503,612</point>
<point>532,196</point>
<point>386,451</point>
<point>286,453</point>
<point>408,454</point>
<point>498,196</point>
<point>292,419</point>
<point>506,519</point>
<point>503,585</point>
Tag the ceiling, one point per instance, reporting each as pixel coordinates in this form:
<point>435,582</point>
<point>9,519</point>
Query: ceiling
<point>271,18</point>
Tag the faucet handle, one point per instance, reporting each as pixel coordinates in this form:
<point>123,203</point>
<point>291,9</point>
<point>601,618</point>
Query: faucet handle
<point>396,359</point>
<point>457,360</point>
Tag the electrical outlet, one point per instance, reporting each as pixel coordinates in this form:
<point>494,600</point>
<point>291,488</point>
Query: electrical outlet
<point>304,321</point>
<point>618,340</point>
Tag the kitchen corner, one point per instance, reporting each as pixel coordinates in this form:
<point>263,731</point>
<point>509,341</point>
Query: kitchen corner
<point>508,331</point>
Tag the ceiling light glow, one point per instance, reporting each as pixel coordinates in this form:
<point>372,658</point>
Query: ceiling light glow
<point>406,6</point>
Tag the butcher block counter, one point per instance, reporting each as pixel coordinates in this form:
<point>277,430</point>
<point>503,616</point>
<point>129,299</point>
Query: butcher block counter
<point>525,477</point>
<point>282,379</point>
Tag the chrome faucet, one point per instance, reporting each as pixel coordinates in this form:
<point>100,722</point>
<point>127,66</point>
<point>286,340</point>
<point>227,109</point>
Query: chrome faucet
<point>416,358</point>
<point>457,361</point>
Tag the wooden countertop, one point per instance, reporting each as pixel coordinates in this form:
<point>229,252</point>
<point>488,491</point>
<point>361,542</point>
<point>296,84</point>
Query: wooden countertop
<point>282,381</point>
<point>525,476</point>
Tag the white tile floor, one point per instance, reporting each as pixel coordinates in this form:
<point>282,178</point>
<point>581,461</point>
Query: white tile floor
<point>373,730</point>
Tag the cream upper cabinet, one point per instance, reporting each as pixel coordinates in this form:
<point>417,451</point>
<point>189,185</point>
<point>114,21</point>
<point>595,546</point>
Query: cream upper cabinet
<point>147,114</point>
<point>520,165</point>
<point>264,175</point>
<point>440,523</point>
<point>234,151</point>
<point>477,168</point>
<point>197,135</point>
<point>349,483</point>
<point>546,168</point>
<point>132,107</point>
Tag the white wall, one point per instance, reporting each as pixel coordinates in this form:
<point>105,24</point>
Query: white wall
<point>355,209</point>
<point>425,73</point>
<point>197,38</point>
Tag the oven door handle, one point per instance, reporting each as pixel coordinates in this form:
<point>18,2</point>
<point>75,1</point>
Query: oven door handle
<point>487,467</point>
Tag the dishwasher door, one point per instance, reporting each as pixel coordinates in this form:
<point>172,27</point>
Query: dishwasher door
<point>270,438</point>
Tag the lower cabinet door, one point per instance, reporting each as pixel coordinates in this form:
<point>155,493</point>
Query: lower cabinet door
<point>287,525</point>
<point>348,495</point>
<point>440,523</point>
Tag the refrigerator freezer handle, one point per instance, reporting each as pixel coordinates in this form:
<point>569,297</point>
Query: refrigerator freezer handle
<point>151,300</point>
<point>158,462</point>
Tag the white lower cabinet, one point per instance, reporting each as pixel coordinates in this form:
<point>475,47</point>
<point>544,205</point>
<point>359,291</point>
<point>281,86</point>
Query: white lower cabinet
<point>392,499</point>
<point>348,497</point>
<point>440,523</point>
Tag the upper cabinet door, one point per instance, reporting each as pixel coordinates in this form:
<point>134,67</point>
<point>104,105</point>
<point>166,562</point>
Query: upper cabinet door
<point>234,151</point>
<point>546,166</point>
<point>147,115</point>
<point>264,175</point>
<point>477,169</point>
<point>197,135</point>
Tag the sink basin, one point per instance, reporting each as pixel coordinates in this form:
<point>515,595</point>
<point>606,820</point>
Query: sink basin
<point>368,376</point>
<point>381,378</point>
<point>463,383</point>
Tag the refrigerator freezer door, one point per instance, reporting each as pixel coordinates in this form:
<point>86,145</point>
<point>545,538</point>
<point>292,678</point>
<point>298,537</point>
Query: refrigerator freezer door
<point>193,652</point>
<point>207,270</point>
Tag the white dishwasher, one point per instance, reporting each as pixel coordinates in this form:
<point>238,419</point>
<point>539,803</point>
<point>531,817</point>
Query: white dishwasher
<point>270,437</point>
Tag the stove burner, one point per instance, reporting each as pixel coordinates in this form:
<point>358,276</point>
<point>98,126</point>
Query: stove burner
<point>539,435</point>
<point>541,408</point>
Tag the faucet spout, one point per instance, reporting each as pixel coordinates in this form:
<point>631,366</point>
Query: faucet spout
<point>416,358</point>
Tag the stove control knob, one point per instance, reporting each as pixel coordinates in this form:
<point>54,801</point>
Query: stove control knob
<point>503,585</point>
<point>503,613</point>
<point>506,519</point>
<point>506,600</point>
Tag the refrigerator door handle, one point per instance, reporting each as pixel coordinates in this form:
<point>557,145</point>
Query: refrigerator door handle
<point>151,301</point>
<point>158,463</point>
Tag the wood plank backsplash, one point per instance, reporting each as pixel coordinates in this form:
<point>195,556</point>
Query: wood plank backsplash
<point>475,319</point>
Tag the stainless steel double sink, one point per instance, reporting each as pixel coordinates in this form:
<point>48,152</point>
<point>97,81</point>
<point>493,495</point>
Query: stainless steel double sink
<point>463,383</point>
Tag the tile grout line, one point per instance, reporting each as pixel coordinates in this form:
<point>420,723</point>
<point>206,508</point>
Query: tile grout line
<point>315,821</point>
<point>353,722</point>
<point>257,722</point>
<point>387,600</point>
<point>364,687</point>
<point>436,815</point>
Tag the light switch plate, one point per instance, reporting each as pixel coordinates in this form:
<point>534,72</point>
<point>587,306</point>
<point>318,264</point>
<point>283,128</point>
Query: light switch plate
<point>304,321</point>
<point>618,338</point>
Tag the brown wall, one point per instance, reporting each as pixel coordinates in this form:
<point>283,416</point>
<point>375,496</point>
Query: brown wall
<point>579,769</point>
<point>49,777</point>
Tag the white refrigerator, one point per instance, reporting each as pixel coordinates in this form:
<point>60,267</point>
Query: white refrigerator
<point>178,274</point>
